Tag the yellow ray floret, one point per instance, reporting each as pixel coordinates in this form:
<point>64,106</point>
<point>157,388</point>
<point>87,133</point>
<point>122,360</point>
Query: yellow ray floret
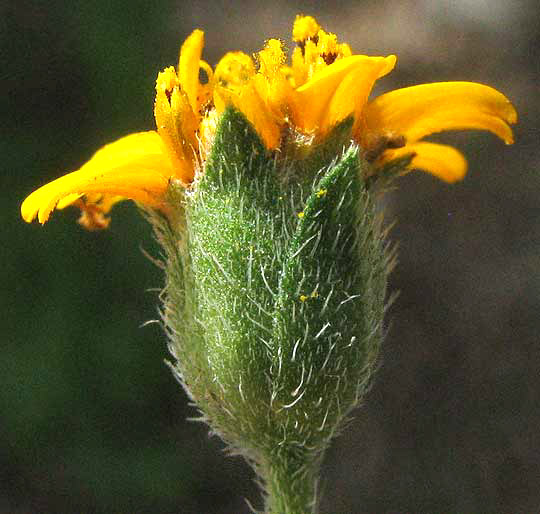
<point>418,111</point>
<point>238,83</point>
<point>443,161</point>
<point>135,167</point>
<point>188,67</point>
<point>337,91</point>
<point>176,123</point>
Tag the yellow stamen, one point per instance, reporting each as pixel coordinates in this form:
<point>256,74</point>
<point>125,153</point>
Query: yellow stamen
<point>304,27</point>
<point>271,58</point>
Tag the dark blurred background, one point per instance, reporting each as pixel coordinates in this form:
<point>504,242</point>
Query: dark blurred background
<point>92,420</point>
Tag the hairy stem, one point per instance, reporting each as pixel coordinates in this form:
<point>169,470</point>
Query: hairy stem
<point>291,483</point>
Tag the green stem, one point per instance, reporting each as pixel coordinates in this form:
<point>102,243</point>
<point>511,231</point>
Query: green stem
<point>291,483</point>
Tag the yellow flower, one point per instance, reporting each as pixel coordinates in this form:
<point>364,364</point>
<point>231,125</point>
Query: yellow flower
<point>324,84</point>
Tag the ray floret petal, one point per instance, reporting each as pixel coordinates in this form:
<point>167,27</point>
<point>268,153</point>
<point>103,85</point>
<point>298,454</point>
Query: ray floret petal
<point>188,66</point>
<point>337,91</point>
<point>135,167</point>
<point>418,111</point>
<point>442,161</point>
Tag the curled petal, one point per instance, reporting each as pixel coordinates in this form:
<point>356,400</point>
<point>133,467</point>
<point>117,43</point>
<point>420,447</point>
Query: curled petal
<point>205,90</point>
<point>135,167</point>
<point>234,70</point>
<point>337,91</point>
<point>443,161</point>
<point>352,94</point>
<point>418,111</point>
<point>188,66</point>
<point>254,108</point>
<point>237,83</point>
<point>176,123</point>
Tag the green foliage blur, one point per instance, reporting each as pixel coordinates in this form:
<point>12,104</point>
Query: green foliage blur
<point>91,419</point>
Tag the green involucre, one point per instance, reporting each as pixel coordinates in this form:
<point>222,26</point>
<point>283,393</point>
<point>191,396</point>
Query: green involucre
<point>275,296</point>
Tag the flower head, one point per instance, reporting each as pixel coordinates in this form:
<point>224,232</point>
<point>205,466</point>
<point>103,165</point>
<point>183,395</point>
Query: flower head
<point>323,84</point>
